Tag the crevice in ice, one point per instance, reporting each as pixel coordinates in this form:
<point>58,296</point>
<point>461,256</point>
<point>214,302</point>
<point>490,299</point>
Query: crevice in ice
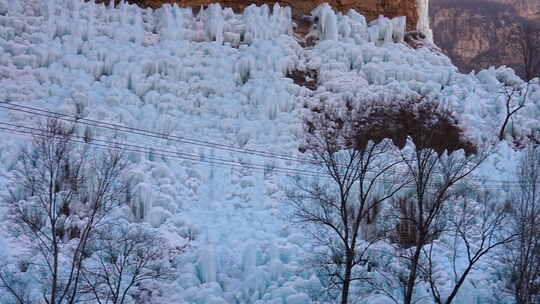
<point>307,78</point>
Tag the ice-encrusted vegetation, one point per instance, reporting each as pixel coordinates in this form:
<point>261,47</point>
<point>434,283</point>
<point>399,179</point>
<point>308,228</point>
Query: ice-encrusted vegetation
<point>220,77</point>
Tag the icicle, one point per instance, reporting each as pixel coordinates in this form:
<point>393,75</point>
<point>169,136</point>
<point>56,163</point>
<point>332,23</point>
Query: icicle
<point>327,22</point>
<point>215,22</point>
<point>381,29</point>
<point>265,12</point>
<point>51,26</point>
<point>275,265</point>
<point>249,258</point>
<point>359,22</point>
<point>423,19</point>
<point>75,18</point>
<point>75,9</point>
<point>287,19</point>
<point>385,29</point>
<point>143,202</point>
<point>388,30</point>
<point>208,264</point>
<point>281,19</point>
<point>138,28</point>
<point>271,104</point>
<point>91,16</point>
<point>399,25</point>
<point>180,21</point>
<point>373,32</point>
<point>345,28</point>
<point>123,13</point>
<point>167,25</point>
<point>276,16</point>
<point>13,7</point>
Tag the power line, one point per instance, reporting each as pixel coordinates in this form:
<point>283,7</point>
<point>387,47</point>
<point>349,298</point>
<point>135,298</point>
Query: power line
<point>153,134</point>
<point>164,151</point>
<point>13,128</point>
<point>145,150</point>
<point>142,132</point>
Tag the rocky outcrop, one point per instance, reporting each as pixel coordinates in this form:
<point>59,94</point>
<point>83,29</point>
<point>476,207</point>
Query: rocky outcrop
<point>481,33</point>
<point>529,9</point>
<point>369,8</point>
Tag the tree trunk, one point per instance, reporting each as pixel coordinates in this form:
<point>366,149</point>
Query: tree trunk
<point>54,285</point>
<point>347,279</point>
<point>503,128</point>
<point>456,288</point>
<point>409,288</point>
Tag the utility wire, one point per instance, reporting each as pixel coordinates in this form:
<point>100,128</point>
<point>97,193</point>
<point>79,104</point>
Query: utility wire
<point>29,132</point>
<point>142,132</point>
<point>187,140</point>
<point>18,129</point>
<point>165,151</point>
<point>152,134</point>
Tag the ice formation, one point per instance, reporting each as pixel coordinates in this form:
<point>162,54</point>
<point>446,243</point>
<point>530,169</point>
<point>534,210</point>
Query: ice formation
<point>219,76</point>
<point>327,21</point>
<point>423,19</point>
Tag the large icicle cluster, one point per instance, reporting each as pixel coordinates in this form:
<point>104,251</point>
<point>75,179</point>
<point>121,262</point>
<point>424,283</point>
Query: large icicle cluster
<point>222,25</point>
<point>353,25</point>
<point>220,76</point>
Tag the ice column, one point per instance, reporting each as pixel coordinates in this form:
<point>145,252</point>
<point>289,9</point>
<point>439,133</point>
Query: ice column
<point>423,18</point>
<point>216,22</point>
<point>327,22</point>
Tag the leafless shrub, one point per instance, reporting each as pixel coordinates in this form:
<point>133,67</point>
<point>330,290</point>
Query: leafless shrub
<point>515,98</point>
<point>16,287</point>
<point>522,257</point>
<point>477,227</point>
<point>60,195</point>
<point>434,176</point>
<point>341,213</point>
<point>125,256</point>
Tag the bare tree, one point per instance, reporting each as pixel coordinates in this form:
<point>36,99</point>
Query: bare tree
<point>515,98</point>
<point>477,226</point>
<point>340,211</point>
<point>434,176</point>
<point>60,194</point>
<point>527,47</point>
<point>126,255</point>
<point>434,172</point>
<point>17,289</point>
<point>523,256</point>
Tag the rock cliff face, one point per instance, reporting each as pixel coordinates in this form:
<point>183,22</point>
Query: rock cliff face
<point>480,34</point>
<point>529,9</point>
<point>369,8</point>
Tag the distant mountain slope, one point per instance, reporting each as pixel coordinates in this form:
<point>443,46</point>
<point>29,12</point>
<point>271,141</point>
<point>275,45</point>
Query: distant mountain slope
<point>528,9</point>
<point>479,34</point>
